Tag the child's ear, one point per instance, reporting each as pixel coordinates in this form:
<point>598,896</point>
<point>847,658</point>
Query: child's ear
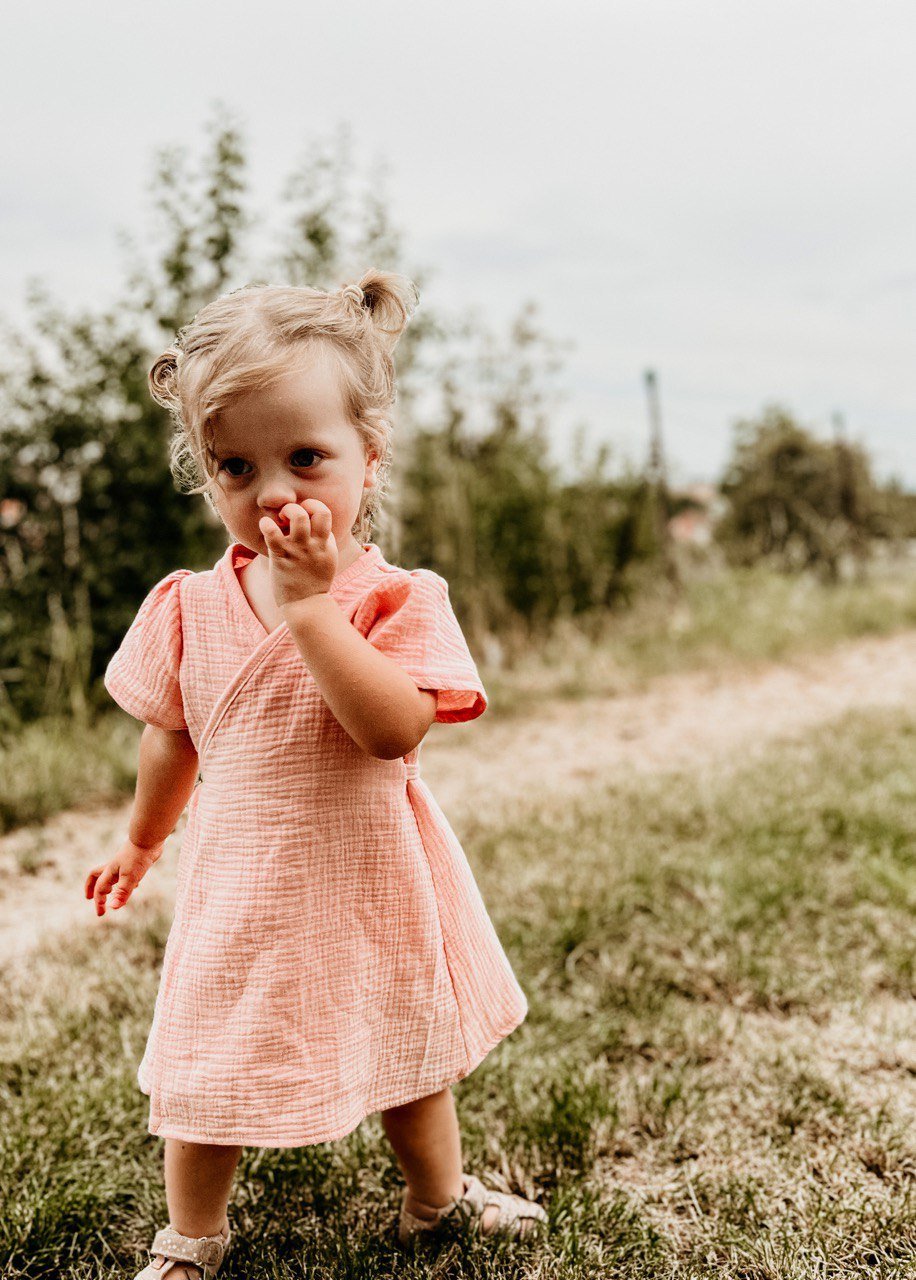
<point>372,466</point>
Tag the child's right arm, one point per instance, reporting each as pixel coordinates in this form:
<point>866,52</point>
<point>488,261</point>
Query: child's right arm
<point>166,774</point>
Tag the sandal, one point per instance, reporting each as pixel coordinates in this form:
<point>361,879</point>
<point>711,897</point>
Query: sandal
<point>171,1253</point>
<point>515,1218</point>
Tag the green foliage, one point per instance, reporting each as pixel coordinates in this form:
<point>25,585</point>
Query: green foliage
<point>900,509</point>
<point>58,763</point>
<point>482,501</point>
<point>201,223</point>
<point>796,501</point>
<point>90,516</point>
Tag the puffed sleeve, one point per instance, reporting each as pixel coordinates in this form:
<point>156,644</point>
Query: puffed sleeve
<point>142,676</point>
<point>409,617</point>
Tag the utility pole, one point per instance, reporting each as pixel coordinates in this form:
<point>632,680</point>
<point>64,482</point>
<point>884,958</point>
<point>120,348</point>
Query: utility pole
<point>847,486</point>
<point>657,479</point>
<point>656,469</point>
<point>848,493</point>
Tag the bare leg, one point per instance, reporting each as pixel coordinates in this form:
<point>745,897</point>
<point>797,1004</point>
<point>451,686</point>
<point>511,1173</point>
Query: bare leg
<point>198,1180</point>
<point>427,1143</point>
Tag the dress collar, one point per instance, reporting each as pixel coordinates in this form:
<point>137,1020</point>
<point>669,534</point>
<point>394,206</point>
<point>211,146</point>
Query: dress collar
<point>237,554</point>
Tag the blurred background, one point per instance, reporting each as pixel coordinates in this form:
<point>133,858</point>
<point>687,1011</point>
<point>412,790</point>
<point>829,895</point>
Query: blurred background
<point>656,428</point>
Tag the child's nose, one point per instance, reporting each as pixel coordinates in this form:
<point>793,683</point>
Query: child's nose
<point>275,492</point>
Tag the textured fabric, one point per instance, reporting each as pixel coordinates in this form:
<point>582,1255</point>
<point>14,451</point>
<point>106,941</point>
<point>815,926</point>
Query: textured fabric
<point>330,954</point>
<point>146,667</point>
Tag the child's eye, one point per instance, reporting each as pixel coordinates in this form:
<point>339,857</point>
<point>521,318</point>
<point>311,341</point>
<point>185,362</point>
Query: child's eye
<point>232,466</point>
<point>228,463</point>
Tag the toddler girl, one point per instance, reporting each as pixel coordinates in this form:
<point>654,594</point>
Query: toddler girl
<point>330,954</point>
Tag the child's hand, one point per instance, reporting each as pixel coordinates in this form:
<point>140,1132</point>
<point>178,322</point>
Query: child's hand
<point>303,561</point>
<point>121,875</point>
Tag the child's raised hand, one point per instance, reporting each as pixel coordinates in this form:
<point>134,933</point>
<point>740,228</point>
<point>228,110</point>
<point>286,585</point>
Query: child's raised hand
<point>121,875</point>
<point>303,561</point>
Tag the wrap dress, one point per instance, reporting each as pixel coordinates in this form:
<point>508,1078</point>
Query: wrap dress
<point>330,954</point>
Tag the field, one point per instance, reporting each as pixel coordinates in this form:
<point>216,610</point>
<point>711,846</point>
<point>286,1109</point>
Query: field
<point>713,918</point>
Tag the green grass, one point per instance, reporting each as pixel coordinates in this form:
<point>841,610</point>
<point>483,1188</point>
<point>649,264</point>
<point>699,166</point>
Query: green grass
<point>717,1076</point>
<point>734,618</point>
<point>55,764</point>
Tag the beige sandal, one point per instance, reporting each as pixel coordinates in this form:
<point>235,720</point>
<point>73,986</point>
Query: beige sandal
<point>516,1217</point>
<point>170,1251</point>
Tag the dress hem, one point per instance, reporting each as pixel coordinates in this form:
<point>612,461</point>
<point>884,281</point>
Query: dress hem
<point>335,1135</point>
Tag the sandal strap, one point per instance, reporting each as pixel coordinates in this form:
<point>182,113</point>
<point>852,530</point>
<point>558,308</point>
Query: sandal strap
<point>510,1209</point>
<point>170,1265</point>
<point>206,1252</point>
<point>475,1194</point>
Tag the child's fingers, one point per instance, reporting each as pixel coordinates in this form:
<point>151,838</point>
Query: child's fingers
<point>122,891</point>
<point>271,534</point>
<point>321,522</point>
<point>315,507</point>
<point>299,523</point>
<point>91,880</point>
<point>89,884</point>
<point>103,888</point>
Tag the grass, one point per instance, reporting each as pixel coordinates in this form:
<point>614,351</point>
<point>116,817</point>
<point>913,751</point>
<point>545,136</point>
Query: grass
<point>734,618</point>
<point>55,764</point>
<point>717,1076</point>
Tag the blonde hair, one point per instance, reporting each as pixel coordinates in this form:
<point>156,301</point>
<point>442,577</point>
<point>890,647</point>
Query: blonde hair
<point>249,337</point>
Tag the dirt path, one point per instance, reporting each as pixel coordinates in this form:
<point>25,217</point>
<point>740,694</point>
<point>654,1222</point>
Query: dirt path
<point>695,721</point>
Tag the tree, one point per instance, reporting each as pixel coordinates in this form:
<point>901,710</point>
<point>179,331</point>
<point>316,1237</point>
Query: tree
<point>794,500</point>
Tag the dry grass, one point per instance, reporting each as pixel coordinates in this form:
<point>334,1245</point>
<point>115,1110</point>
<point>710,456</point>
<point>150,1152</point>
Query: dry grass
<point>717,1077</point>
<point>723,621</point>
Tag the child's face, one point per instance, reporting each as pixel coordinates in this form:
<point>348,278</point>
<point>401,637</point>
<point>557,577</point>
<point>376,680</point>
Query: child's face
<point>288,442</point>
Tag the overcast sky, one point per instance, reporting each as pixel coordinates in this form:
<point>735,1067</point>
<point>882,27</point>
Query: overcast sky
<point>723,190</point>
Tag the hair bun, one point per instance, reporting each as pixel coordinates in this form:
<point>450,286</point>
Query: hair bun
<point>163,378</point>
<point>354,293</point>
<point>387,299</point>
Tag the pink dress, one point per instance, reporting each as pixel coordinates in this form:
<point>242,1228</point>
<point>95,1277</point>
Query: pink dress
<point>330,954</point>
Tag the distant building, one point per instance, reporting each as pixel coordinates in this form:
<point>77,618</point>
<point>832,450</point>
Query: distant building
<point>702,506</point>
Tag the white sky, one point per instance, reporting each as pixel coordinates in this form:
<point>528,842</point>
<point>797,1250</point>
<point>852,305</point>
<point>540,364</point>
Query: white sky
<point>723,190</point>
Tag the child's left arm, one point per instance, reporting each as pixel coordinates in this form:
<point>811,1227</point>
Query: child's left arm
<point>374,699</point>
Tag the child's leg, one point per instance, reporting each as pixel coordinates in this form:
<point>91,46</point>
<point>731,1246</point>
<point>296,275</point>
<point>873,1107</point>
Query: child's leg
<point>427,1143</point>
<point>198,1180</point>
